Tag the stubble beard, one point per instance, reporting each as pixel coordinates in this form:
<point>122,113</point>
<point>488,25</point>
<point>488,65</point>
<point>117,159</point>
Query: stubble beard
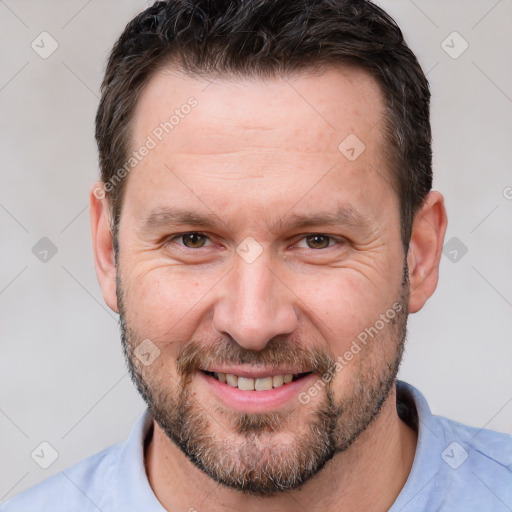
<point>268,453</point>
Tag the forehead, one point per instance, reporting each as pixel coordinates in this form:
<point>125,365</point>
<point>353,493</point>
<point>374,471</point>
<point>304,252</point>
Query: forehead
<point>283,132</point>
<point>329,99</point>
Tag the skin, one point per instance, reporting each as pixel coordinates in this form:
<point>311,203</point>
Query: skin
<point>253,153</point>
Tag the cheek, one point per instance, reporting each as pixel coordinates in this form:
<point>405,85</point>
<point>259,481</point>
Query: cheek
<point>340,305</point>
<point>163,303</point>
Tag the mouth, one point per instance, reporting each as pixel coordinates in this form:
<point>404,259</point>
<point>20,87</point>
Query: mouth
<point>256,390</point>
<point>261,383</point>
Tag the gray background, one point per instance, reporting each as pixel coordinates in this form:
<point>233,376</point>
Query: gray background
<point>63,378</point>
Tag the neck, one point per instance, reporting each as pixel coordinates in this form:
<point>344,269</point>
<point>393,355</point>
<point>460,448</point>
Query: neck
<point>369,475</point>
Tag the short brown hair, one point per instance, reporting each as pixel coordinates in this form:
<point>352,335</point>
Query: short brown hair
<point>267,38</point>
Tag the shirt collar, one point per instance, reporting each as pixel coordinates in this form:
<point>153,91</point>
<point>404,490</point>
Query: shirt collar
<point>130,474</point>
<point>413,408</point>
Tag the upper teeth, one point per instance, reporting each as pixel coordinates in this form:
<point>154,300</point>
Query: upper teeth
<point>261,384</point>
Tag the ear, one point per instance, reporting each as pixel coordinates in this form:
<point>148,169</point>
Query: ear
<point>102,243</point>
<point>425,250</point>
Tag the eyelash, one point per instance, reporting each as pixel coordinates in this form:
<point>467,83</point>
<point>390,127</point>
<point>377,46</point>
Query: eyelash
<point>337,240</point>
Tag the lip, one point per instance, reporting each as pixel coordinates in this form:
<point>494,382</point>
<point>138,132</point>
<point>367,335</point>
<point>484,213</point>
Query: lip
<point>257,401</point>
<point>250,372</point>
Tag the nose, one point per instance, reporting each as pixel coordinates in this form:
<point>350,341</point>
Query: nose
<point>255,305</point>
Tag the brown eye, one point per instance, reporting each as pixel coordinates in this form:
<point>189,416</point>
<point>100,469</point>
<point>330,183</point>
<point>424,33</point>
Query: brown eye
<point>318,241</point>
<point>193,240</point>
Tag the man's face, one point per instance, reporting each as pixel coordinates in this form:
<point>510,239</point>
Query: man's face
<point>269,286</point>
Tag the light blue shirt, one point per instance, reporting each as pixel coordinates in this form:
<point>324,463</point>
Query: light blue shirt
<point>456,468</point>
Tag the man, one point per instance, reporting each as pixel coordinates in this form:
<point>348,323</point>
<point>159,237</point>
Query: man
<point>263,226</point>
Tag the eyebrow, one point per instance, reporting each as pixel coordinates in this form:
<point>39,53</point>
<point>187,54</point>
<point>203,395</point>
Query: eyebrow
<point>343,216</point>
<point>164,217</point>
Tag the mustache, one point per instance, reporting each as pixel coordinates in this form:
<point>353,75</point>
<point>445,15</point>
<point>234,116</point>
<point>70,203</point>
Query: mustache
<point>280,351</point>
